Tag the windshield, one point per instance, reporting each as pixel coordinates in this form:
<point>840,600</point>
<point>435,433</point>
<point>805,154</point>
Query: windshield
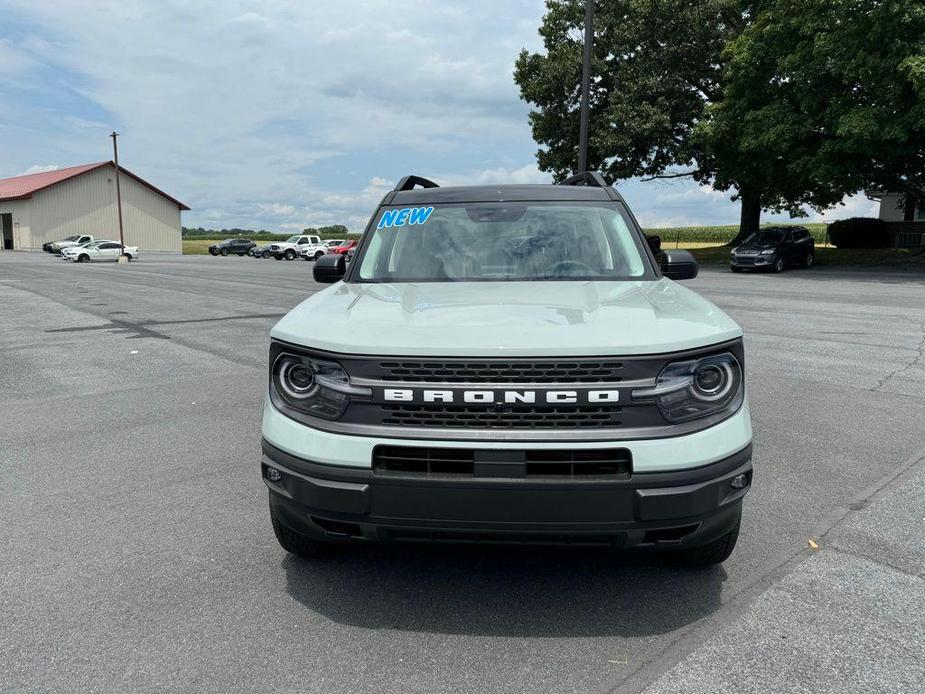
<point>293,239</point>
<point>501,241</point>
<point>767,236</point>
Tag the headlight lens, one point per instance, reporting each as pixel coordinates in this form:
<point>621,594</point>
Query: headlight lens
<point>696,388</point>
<point>768,251</point>
<point>315,386</point>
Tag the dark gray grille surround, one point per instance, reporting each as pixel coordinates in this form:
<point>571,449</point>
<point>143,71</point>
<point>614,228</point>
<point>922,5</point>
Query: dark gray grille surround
<point>539,421</point>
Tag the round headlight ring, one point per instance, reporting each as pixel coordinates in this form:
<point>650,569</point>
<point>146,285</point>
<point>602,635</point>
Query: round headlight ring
<point>296,379</point>
<point>713,381</point>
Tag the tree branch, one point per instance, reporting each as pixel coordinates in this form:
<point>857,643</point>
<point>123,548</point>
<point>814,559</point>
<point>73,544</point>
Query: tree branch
<point>671,175</point>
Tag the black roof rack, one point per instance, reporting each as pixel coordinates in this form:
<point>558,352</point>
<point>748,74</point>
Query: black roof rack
<point>585,178</point>
<point>409,182</point>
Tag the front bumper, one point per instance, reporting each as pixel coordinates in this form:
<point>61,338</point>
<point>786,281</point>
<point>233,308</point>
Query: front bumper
<point>667,510</point>
<point>756,262</point>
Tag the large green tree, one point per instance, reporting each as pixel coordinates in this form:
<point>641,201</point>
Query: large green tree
<point>784,103</point>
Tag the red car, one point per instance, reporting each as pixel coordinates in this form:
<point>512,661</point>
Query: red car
<point>340,250</point>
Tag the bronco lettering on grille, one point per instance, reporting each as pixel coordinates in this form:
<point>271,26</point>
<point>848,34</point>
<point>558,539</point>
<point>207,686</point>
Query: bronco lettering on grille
<point>498,397</point>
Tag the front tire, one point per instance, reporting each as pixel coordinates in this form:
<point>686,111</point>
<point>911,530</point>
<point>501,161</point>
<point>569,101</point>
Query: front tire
<point>810,260</point>
<point>318,254</point>
<point>265,254</point>
<point>290,254</point>
<point>224,251</point>
<point>83,259</point>
<point>779,264</point>
<point>710,554</point>
<point>295,543</point>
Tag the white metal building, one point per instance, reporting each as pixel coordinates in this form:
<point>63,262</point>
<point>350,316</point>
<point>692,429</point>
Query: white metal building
<point>44,207</point>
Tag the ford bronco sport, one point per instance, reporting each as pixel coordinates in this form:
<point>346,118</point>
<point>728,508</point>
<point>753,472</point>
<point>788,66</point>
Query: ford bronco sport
<point>507,364</point>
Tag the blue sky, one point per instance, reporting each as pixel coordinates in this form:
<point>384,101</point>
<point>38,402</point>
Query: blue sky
<point>282,115</point>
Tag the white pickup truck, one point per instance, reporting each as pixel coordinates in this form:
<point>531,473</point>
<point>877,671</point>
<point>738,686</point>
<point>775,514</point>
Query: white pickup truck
<point>292,247</point>
<point>77,240</point>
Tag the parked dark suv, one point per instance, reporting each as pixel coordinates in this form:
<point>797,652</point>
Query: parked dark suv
<point>774,248</point>
<point>238,246</point>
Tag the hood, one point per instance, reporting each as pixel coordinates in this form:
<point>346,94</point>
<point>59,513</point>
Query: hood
<point>506,318</point>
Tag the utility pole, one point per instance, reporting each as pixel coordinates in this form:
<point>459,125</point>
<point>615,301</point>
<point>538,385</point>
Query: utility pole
<point>585,87</point>
<point>115,154</point>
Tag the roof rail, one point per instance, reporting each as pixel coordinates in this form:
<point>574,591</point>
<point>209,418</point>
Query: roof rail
<point>586,178</point>
<point>409,182</point>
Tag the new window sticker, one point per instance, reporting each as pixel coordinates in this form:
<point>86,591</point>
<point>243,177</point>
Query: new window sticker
<point>406,215</point>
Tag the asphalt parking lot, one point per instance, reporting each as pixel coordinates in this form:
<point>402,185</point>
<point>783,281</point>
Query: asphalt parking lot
<point>138,553</point>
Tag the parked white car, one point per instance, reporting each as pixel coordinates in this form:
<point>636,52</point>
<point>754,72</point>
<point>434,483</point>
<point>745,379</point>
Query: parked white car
<point>69,242</point>
<point>292,247</point>
<point>99,250</point>
<point>316,250</point>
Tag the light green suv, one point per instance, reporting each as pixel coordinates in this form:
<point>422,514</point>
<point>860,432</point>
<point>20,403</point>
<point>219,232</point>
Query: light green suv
<point>507,364</point>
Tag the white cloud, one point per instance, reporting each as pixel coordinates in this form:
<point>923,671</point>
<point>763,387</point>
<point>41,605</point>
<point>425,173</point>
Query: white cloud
<point>286,115</point>
<point>39,168</point>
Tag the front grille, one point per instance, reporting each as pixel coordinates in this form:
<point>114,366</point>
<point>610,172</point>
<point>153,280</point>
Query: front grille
<point>511,417</point>
<point>607,463</point>
<point>745,260</point>
<point>500,372</point>
<point>424,461</point>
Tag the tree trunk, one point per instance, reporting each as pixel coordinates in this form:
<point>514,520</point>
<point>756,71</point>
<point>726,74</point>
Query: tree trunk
<point>750,219</point>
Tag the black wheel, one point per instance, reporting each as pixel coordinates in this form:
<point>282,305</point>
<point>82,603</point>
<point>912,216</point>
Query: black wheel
<point>290,254</point>
<point>779,264</point>
<point>265,254</point>
<point>83,258</point>
<point>716,552</point>
<point>318,254</point>
<point>810,260</point>
<point>224,251</point>
<point>295,543</point>
<point>212,251</point>
<point>278,257</point>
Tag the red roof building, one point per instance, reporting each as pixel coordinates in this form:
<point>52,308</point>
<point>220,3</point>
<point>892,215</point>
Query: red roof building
<point>42,207</point>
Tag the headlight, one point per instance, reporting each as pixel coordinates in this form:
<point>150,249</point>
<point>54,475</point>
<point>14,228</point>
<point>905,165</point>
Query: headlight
<point>696,388</point>
<point>768,251</point>
<point>317,387</point>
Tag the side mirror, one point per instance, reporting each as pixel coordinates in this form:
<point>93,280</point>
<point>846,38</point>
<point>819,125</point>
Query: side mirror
<point>329,268</point>
<point>679,265</point>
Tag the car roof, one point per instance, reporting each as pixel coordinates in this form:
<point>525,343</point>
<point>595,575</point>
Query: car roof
<point>504,193</point>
